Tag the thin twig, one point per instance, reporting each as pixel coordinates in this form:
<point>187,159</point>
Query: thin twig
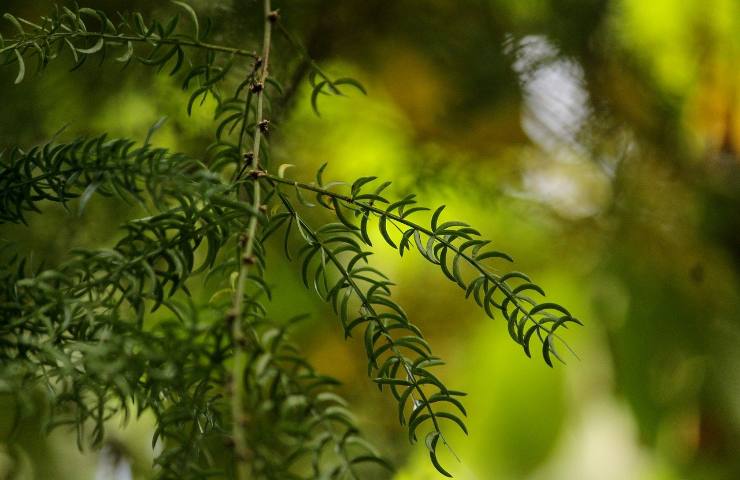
<point>18,43</point>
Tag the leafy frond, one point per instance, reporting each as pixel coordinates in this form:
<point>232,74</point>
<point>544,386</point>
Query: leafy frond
<point>100,365</point>
<point>460,253</point>
<point>301,421</point>
<point>59,172</point>
<point>336,266</point>
<point>96,361</point>
<point>148,265</point>
<point>84,33</point>
<point>224,373</point>
<point>87,32</point>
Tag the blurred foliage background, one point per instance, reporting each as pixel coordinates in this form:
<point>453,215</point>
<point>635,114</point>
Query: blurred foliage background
<point>597,141</point>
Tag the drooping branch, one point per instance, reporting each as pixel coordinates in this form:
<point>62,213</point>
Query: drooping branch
<point>67,30</point>
<point>59,172</point>
<point>389,335</point>
<point>301,418</point>
<point>92,308</point>
<point>517,307</point>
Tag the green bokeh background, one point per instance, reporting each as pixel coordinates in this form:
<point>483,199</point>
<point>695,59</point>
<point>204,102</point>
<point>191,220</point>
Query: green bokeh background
<point>596,141</point>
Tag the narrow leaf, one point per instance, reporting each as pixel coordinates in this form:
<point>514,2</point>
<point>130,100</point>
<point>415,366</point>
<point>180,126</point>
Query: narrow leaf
<point>21,68</point>
<point>94,49</point>
<point>86,196</point>
<point>192,14</point>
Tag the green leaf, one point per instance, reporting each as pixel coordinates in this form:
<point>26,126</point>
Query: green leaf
<point>193,16</point>
<point>126,57</point>
<point>455,419</point>
<point>352,82</point>
<point>317,90</point>
<point>431,442</point>
<point>546,349</point>
<point>384,230</point>
<point>200,92</point>
<point>282,168</point>
<point>319,174</point>
<point>443,264</point>
<point>417,420</point>
<point>456,271</point>
<point>363,229</point>
<point>21,68</point>
<point>486,255</point>
<point>340,215</point>
<point>528,286</point>
<point>179,61</point>
<point>358,184</point>
<point>447,225</point>
<point>405,242</point>
<point>549,306</point>
<point>94,49</point>
<point>154,128</point>
<point>86,196</point>
<point>12,19</point>
<point>435,217</point>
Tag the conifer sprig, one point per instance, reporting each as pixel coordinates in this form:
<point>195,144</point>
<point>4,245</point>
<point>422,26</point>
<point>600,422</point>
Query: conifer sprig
<point>224,372</point>
<point>60,172</point>
<point>450,245</point>
<point>127,38</point>
<point>399,357</point>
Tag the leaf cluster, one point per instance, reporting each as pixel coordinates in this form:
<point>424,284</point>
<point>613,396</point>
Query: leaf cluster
<point>113,330</point>
<point>86,32</point>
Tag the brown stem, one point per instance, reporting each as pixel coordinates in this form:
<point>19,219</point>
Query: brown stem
<point>246,260</point>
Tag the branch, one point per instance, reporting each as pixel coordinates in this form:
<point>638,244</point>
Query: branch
<point>85,166</point>
<point>293,400</point>
<point>24,43</point>
<point>441,238</point>
<point>416,372</point>
<point>62,29</point>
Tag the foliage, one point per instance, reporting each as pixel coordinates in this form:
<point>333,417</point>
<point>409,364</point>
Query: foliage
<point>89,329</point>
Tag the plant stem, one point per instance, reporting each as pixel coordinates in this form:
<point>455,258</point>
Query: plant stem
<point>18,43</point>
<point>238,338</point>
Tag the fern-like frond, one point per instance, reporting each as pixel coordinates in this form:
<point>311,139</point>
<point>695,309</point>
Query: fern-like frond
<point>453,246</point>
<point>85,32</point>
<point>334,264</point>
<point>151,263</point>
<point>59,172</point>
<point>224,374</point>
<point>301,421</point>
